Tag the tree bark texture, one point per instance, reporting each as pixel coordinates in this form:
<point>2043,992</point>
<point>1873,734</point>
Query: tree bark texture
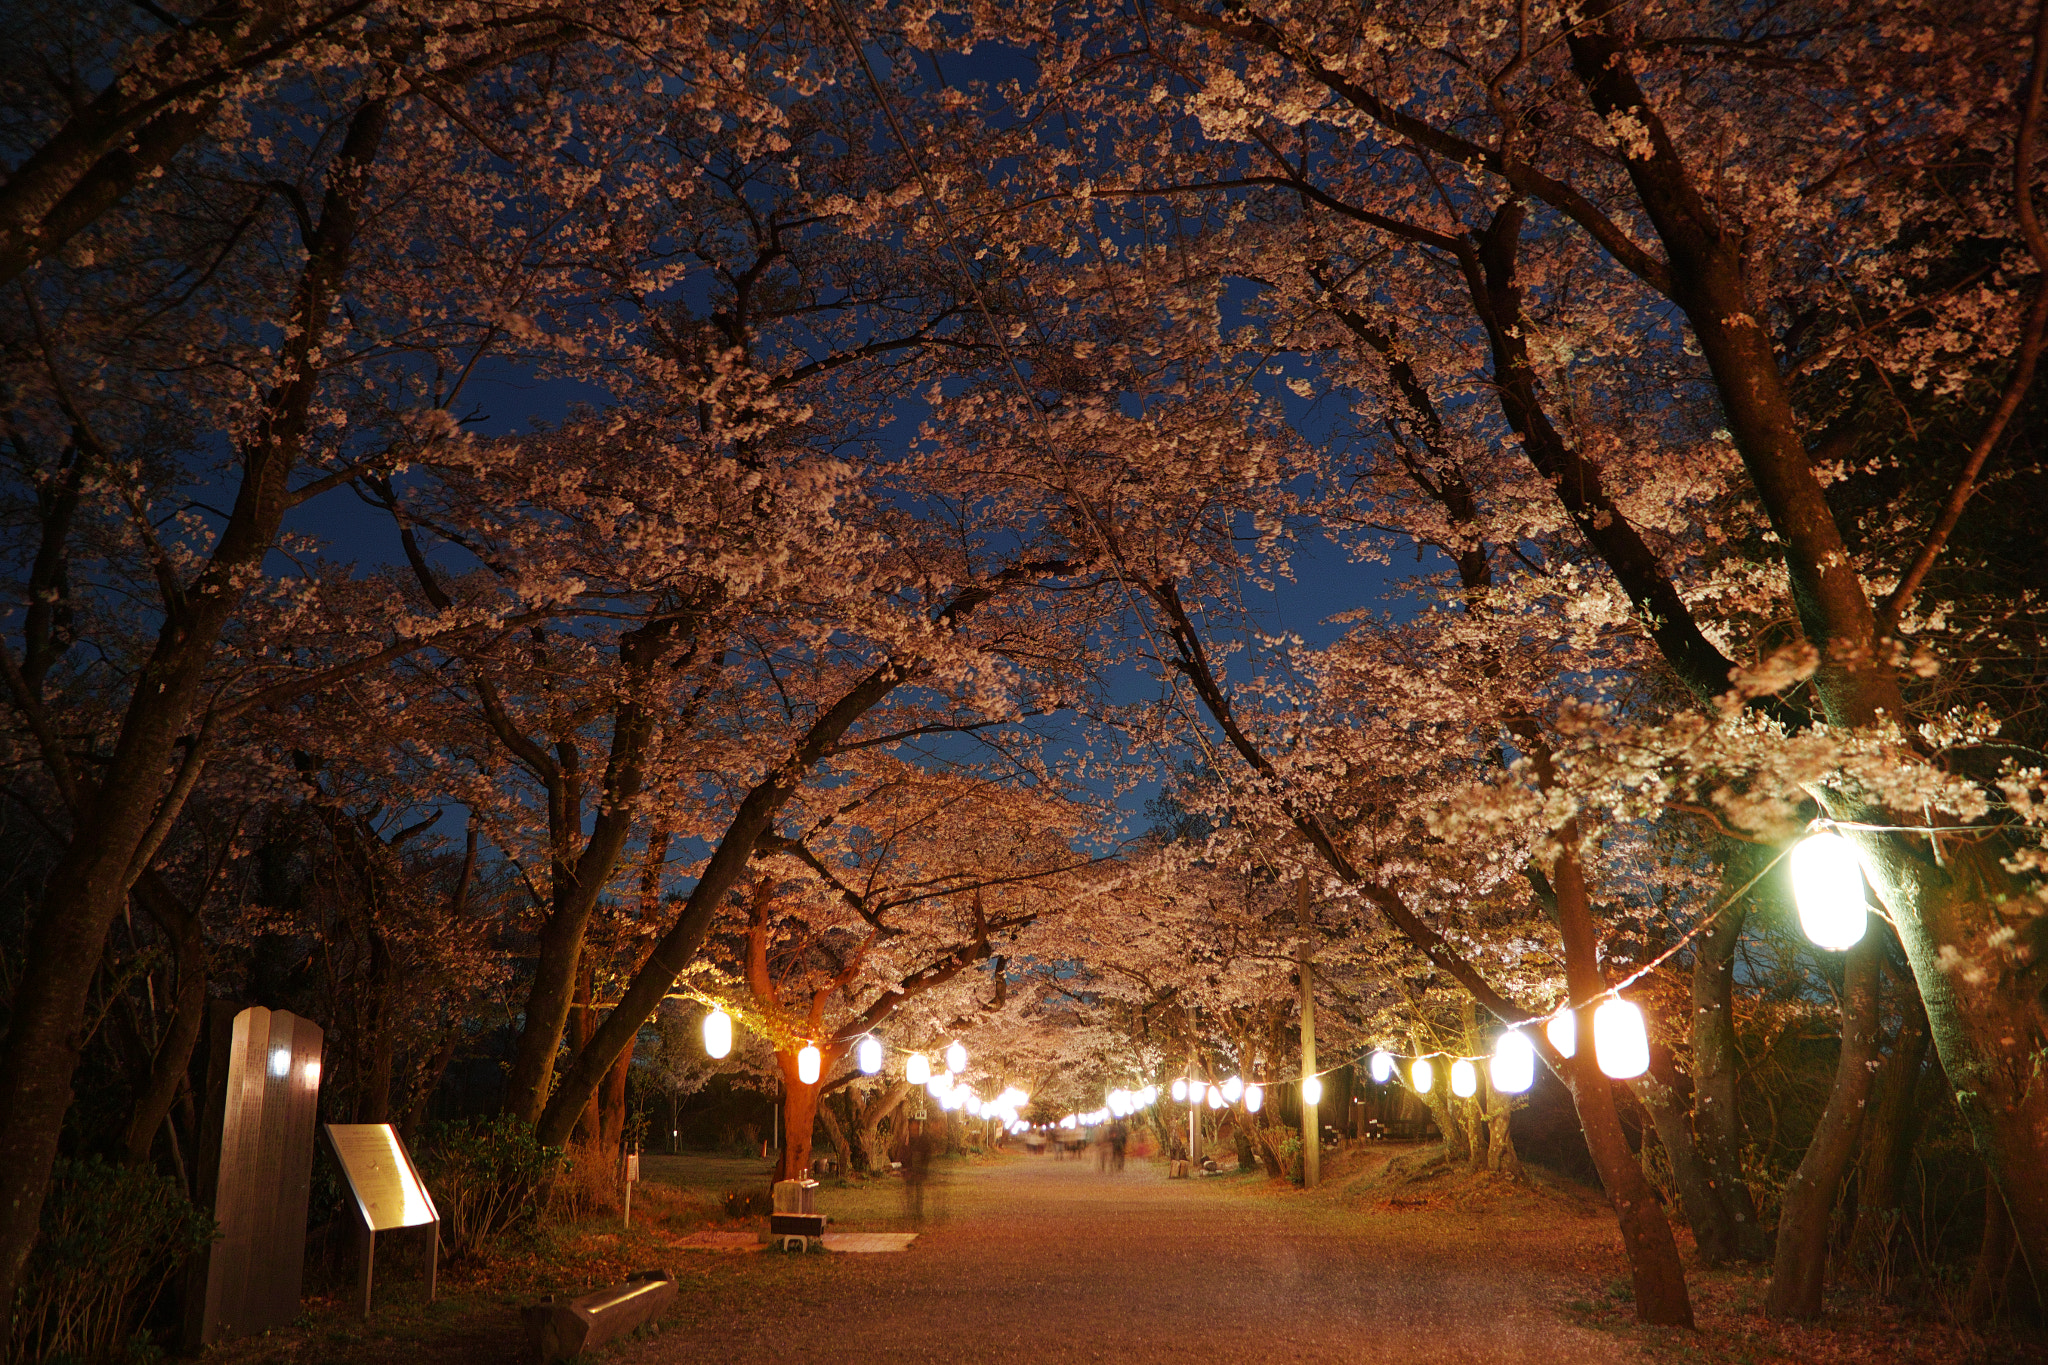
<point>886,1101</point>
<point>1716,1065</point>
<point>173,1059</point>
<point>1659,1278</point>
<point>118,818</point>
<point>1983,1005</point>
<point>1658,1089</point>
<point>835,1131</point>
<point>1888,1137</point>
<point>752,820</point>
<point>1799,1269</point>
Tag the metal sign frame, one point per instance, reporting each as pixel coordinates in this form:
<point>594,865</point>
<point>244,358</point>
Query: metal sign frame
<point>371,1188</point>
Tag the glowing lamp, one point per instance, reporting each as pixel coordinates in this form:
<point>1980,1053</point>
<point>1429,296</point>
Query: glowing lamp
<point>1422,1076</point>
<point>1382,1065</point>
<point>808,1060</point>
<point>939,1086</point>
<point>1180,1090</point>
<point>1233,1089</point>
<point>1254,1097</point>
<point>1563,1033</point>
<point>1620,1043</point>
<point>870,1056</point>
<point>956,1058</point>
<point>1215,1097</point>
<point>1827,886</point>
<point>1464,1079</point>
<point>1311,1089</point>
<point>917,1070</point>
<point>1513,1068</point>
<point>717,1033</point>
<point>974,1106</point>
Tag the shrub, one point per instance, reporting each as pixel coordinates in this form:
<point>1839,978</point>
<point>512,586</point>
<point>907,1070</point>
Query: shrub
<point>586,1184</point>
<point>485,1176</point>
<point>112,1237</point>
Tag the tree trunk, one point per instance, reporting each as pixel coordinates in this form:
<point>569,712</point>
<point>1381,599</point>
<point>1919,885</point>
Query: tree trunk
<point>874,1149</point>
<point>1888,1145</point>
<point>1716,1068</point>
<point>1659,1278</point>
<point>611,1127</point>
<point>1501,1153</point>
<point>582,1023</point>
<point>835,1131</point>
<point>174,1056</point>
<point>1438,1100</point>
<point>1478,1135</point>
<point>1981,1011</point>
<point>115,823</point>
<point>1992,1277</point>
<point>1799,1270</point>
<point>378,1047</point>
<point>799,1119</point>
<point>1713,1231</point>
<point>1955,914</point>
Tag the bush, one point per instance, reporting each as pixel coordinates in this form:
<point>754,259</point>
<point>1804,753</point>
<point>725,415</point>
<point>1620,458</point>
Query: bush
<point>1290,1159</point>
<point>485,1176</point>
<point>112,1237</point>
<point>586,1184</point>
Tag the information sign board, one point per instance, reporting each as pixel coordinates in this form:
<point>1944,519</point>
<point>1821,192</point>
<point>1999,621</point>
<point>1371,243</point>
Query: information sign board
<point>388,1191</point>
<point>380,1175</point>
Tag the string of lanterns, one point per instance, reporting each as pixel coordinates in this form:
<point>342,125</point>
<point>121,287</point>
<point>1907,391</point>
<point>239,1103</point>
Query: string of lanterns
<point>1827,891</point>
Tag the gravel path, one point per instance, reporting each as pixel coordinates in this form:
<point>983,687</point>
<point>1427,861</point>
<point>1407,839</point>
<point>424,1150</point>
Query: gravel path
<point>1033,1260</point>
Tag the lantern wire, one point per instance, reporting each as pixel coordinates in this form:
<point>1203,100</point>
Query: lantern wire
<point>1706,922</point>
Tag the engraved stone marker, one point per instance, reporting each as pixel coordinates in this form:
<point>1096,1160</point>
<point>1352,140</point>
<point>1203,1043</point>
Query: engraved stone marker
<point>272,1090</point>
<point>388,1192</point>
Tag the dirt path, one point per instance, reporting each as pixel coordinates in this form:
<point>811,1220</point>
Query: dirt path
<point>1036,1260</point>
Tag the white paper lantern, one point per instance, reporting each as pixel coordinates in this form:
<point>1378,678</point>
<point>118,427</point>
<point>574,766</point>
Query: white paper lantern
<point>956,1058</point>
<point>1382,1065</point>
<point>870,1056</point>
<point>1233,1089</point>
<point>1254,1097</point>
<point>1215,1097</point>
<point>1311,1090</point>
<point>1513,1068</point>
<point>808,1061</point>
<point>1563,1033</point>
<point>1464,1079</point>
<point>1180,1090</point>
<point>917,1070</point>
<point>1422,1075</point>
<point>1827,886</point>
<point>974,1106</point>
<point>939,1086</point>
<point>717,1033</point>
<point>1621,1045</point>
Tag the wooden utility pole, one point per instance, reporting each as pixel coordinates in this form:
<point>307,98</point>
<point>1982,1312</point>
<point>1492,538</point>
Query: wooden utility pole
<point>1311,1130</point>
